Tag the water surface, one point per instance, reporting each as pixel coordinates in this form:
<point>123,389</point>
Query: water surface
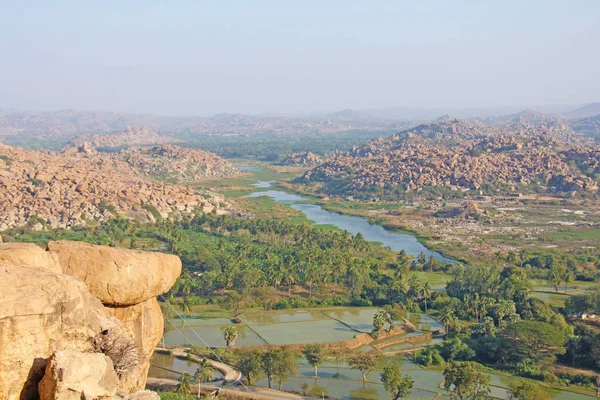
<point>354,225</point>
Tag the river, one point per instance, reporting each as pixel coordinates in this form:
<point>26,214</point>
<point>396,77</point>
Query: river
<point>354,225</point>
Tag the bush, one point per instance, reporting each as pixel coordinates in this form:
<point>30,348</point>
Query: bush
<point>429,356</point>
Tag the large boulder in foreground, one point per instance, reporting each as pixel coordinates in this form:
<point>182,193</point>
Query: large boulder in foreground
<point>119,277</point>
<point>42,312</point>
<point>71,375</point>
<point>145,324</point>
<point>30,255</point>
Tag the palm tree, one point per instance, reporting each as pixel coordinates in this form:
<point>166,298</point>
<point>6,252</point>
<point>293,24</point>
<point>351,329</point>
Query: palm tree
<point>447,318</point>
<point>205,372</point>
<point>426,293</point>
<point>523,256</point>
<point>186,306</point>
<point>183,387</point>
<point>230,334</point>
<point>415,286</point>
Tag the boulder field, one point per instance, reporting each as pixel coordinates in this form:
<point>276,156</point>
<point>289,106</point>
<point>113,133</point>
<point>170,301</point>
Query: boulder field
<point>79,320</point>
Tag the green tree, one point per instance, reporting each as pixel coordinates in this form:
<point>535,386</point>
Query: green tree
<point>426,293</point>
<point>305,387</point>
<point>204,372</point>
<point>464,382</point>
<point>526,390</point>
<point>363,362</point>
<point>250,364</point>
<point>270,359</point>
<point>447,317</point>
<point>186,306</point>
<point>230,334</point>
<point>183,387</point>
<point>314,354</point>
<point>556,275</point>
<point>531,337</point>
<point>379,320</point>
<point>397,385</point>
<point>286,365</point>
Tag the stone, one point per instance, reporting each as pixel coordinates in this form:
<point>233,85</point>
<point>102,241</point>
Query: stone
<point>120,277</point>
<point>145,324</point>
<point>30,255</point>
<point>142,395</point>
<point>72,375</point>
<point>42,312</point>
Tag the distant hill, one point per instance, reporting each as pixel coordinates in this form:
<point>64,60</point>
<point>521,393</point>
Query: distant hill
<point>425,114</point>
<point>451,155</point>
<point>130,136</point>
<point>589,126</point>
<point>525,116</point>
<point>589,110</point>
<point>349,115</point>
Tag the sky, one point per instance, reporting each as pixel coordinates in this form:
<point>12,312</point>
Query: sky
<point>296,56</point>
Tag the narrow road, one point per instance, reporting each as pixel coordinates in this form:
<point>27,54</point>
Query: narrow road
<point>229,373</point>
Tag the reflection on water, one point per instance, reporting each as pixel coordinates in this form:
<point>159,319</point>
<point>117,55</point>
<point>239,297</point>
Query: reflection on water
<point>354,225</point>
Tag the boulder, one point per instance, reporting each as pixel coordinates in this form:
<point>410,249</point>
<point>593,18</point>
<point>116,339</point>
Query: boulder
<point>142,395</point>
<point>30,255</point>
<point>145,324</point>
<point>72,375</point>
<point>120,277</point>
<point>42,312</point>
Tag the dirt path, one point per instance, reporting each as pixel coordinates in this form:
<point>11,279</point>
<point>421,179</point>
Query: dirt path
<point>230,374</point>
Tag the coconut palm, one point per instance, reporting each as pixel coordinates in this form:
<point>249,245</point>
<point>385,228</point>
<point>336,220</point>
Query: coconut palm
<point>186,306</point>
<point>426,293</point>
<point>205,372</point>
<point>183,387</point>
<point>447,318</point>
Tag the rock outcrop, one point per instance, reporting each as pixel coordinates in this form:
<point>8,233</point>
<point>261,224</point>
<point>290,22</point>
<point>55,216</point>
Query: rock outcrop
<point>144,322</point>
<point>118,277</point>
<point>74,375</point>
<point>29,254</point>
<point>46,314</point>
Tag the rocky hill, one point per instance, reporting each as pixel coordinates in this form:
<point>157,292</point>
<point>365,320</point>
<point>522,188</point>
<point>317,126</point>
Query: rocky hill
<point>177,163</point>
<point>61,190</point>
<point>304,159</point>
<point>131,136</point>
<point>79,321</point>
<point>464,155</point>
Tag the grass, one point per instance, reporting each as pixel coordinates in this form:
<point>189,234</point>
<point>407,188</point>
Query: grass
<point>241,184</point>
<point>554,299</point>
<point>579,235</point>
<point>434,278</point>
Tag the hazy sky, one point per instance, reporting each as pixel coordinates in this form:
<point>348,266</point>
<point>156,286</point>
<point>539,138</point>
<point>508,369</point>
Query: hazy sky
<point>203,57</point>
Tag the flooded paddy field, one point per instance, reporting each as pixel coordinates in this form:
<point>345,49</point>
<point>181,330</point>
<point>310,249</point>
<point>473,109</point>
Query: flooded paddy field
<point>283,327</point>
<point>337,380</point>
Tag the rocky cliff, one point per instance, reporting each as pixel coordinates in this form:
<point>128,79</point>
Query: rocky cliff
<point>79,320</point>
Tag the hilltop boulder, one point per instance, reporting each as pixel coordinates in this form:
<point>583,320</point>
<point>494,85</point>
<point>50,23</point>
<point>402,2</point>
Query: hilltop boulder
<point>29,254</point>
<point>118,277</point>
